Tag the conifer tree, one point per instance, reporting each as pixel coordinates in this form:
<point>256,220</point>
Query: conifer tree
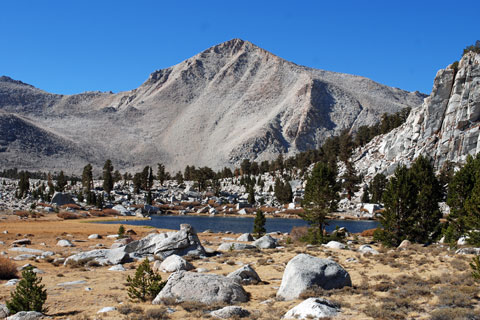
<point>251,194</point>
<point>321,197</point>
<point>377,187</point>
<point>399,201</point>
<point>61,182</point>
<point>366,195</point>
<point>146,284</point>
<point>29,295</point>
<point>23,184</point>
<point>259,224</point>
<point>459,193</point>
<point>161,173</point>
<point>107,176</point>
<point>87,178</point>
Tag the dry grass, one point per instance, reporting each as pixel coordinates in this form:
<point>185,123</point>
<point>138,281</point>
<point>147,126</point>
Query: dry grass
<point>8,269</point>
<point>65,215</point>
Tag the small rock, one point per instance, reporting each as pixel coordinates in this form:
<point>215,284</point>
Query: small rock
<point>335,245</point>
<point>405,244</point>
<point>106,309</point>
<point>12,282</point>
<point>71,283</point>
<point>4,312</point>
<point>117,267</point>
<point>230,312</point>
<point>313,308</point>
<point>202,270</point>
<point>65,243</point>
<point>94,236</point>
<point>367,249</point>
<point>22,241</point>
<point>26,315</point>
<point>228,246</point>
<point>245,237</point>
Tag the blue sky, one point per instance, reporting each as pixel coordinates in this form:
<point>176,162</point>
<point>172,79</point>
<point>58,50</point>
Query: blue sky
<point>74,46</point>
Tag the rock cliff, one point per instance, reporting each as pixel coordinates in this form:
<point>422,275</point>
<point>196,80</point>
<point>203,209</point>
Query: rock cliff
<point>446,127</point>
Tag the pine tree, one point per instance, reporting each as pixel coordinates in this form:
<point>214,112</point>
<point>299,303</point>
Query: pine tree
<point>23,184</point>
<point>107,176</point>
<point>99,201</point>
<point>321,197</point>
<point>366,195</point>
<point>87,178</point>
<point>29,295</point>
<point>161,174</point>
<point>259,224</point>
<point>251,194</point>
<point>146,284</point>
<point>377,187</point>
<point>121,232</point>
<point>459,192</point>
<point>149,199</point>
<point>61,182</point>
<point>427,215</point>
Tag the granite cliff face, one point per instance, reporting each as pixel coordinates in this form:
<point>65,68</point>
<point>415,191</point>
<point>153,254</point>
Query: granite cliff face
<point>229,102</point>
<point>446,127</point>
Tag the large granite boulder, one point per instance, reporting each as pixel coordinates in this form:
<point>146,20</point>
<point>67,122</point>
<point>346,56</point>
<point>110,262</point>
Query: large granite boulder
<point>183,242</point>
<point>245,275</point>
<point>203,288</point>
<point>304,272</point>
<point>61,198</point>
<point>265,242</point>
<point>101,256</point>
<point>313,308</point>
<point>175,263</point>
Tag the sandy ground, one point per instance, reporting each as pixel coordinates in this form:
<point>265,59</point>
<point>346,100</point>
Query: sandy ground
<point>420,276</point>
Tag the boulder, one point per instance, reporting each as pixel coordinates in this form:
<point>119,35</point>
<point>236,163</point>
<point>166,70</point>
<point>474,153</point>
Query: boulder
<point>175,263</point>
<point>183,242</point>
<point>304,272</point>
<point>101,256</point>
<point>106,309</point>
<point>230,312</point>
<point>4,312</point>
<point>335,245</point>
<point>468,250</point>
<point>245,237</point>
<point>367,249</point>
<point>117,267</point>
<point>26,315</point>
<point>65,243</point>
<point>11,282</point>
<point>245,275</point>
<point>404,244</point>
<point>228,246</point>
<point>94,236</point>
<point>313,308</point>
<point>21,242</point>
<point>184,286</point>
<point>265,242</point>
<point>61,198</point>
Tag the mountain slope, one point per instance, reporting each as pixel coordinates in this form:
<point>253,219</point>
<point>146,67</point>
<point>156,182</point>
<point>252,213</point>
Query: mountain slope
<point>229,102</point>
<point>446,127</point>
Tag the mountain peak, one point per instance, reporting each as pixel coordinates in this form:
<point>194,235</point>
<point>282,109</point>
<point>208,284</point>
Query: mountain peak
<point>7,79</point>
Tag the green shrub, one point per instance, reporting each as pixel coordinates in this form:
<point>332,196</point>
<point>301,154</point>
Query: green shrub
<point>146,284</point>
<point>475,265</point>
<point>29,295</point>
<point>121,232</point>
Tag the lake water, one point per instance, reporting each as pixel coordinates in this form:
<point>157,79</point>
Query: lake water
<point>240,224</point>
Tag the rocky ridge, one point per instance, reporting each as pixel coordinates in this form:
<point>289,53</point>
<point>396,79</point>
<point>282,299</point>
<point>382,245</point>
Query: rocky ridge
<point>229,102</point>
<point>446,127</point>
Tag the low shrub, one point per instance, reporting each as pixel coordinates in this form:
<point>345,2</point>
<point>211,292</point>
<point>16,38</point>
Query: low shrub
<point>8,269</point>
<point>453,314</point>
<point>65,215</point>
